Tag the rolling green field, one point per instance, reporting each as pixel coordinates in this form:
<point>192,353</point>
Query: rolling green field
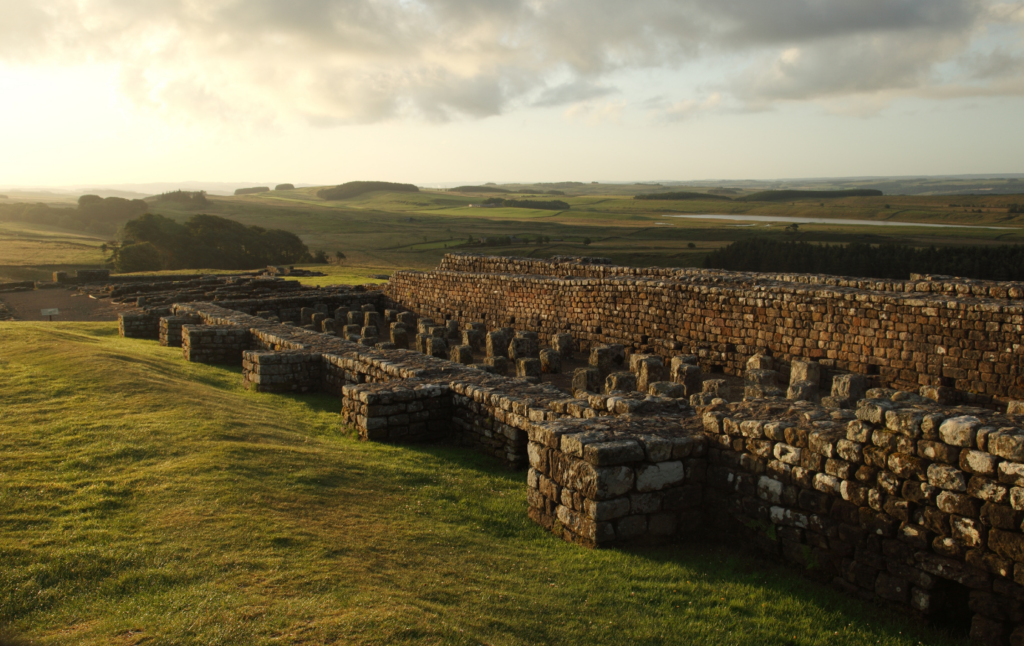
<point>383,230</point>
<point>146,500</point>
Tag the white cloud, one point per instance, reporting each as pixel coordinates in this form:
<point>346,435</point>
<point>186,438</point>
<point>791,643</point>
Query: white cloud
<point>358,61</point>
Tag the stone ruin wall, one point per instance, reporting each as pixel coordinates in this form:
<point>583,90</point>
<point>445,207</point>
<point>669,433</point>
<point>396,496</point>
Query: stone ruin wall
<point>891,496</point>
<point>904,338</point>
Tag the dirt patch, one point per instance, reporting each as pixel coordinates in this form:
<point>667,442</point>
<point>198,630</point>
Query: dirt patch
<point>26,306</point>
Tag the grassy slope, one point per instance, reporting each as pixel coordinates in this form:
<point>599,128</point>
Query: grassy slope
<point>147,500</point>
<point>33,252</point>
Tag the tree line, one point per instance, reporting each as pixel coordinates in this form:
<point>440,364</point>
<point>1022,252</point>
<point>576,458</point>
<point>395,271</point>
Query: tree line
<point>154,242</point>
<point>546,205</point>
<point>870,261</point>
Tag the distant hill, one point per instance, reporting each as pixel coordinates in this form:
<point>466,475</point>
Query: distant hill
<point>352,189</point>
<point>250,191</point>
<point>284,187</point>
<point>787,195</point>
<point>680,195</point>
<point>478,189</point>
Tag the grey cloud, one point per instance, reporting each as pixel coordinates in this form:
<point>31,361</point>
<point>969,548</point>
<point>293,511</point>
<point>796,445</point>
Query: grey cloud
<point>572,92</point>
<point>356,61</point>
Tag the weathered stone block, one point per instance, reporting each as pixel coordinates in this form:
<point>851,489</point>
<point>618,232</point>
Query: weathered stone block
<point>666,389</point>
<point>462,354</point>
<point>620,382</point>
<point>959,431</point>
<point>716,388</point>
<point>550,361</point>
<point>563,344</point>
<point>586,379</point>
<point>436,347</point>
<point>687,374</point>
<point>528,369</point>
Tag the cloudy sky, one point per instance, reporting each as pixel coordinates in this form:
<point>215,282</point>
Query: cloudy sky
<point>430,91</point>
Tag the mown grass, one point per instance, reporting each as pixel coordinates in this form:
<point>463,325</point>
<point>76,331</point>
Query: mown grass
<point>146,500</point>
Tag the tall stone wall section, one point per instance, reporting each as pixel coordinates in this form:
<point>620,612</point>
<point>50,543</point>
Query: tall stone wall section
<point>585,267</point>
<point>908,340</point>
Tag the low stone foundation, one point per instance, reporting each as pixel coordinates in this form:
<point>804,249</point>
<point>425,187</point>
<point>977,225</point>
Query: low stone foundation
<point>282,372</point>
<point>214,343</point>
<point>407,412</point>
<point>599,483</point>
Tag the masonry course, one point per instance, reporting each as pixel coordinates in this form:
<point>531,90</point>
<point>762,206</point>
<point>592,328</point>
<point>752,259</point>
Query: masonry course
<point>862,478</point>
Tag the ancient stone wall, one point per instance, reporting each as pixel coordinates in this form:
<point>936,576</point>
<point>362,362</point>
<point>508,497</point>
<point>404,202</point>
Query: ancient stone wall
<point>585,267</point>
<point>906,340</point>
<point>887,495</point>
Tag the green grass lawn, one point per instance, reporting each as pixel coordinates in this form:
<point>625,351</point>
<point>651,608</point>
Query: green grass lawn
<point>146,500</point>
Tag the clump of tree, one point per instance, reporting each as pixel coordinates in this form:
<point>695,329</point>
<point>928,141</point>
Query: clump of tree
<point>546,205</point>
<point>187,199</point>
<point>681,195</point>
<point>479,189</point>
<point>353,189</point>
<point>253,190</point>
<point>870,261</point>
<point>789,195</point>
<point>154,242</point>
<point>1016,208</point>
<point>284,187</point>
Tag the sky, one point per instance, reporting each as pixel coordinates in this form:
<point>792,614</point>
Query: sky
<point>103,92</point>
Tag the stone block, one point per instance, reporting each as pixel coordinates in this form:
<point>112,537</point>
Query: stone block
<point>667,389</point>
<point>620,382</point>
<point>760,362</point>
<point>522,347</point>
<point>848,389</point>
<point>373,319</point>
<point>462,354</point>
<point>436,347</point>
<point>550,361</point>
<point>802,391</point>
<point>355,317</point>
<point>496,344</point>
<point>499,364</point>
<point>959,431</point>
<point>687,374</point>
<point>528,368</point>
<point>801,370</point>
<point>649,370</point>
<point>563,344</point>
<point>586,379</point>
<point>607,358</point>
<point>399,336</point>
<point>718,388</point>
<point>474,339</point>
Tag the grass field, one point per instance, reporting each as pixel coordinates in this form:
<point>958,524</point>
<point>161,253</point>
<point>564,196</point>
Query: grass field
<point>146,500</point>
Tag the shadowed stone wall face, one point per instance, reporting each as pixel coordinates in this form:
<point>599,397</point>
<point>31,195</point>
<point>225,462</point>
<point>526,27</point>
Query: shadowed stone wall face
<point>908,339</point>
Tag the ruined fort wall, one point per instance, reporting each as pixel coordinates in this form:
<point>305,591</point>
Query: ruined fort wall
<point>906,339</point>
<point>586,267</point>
